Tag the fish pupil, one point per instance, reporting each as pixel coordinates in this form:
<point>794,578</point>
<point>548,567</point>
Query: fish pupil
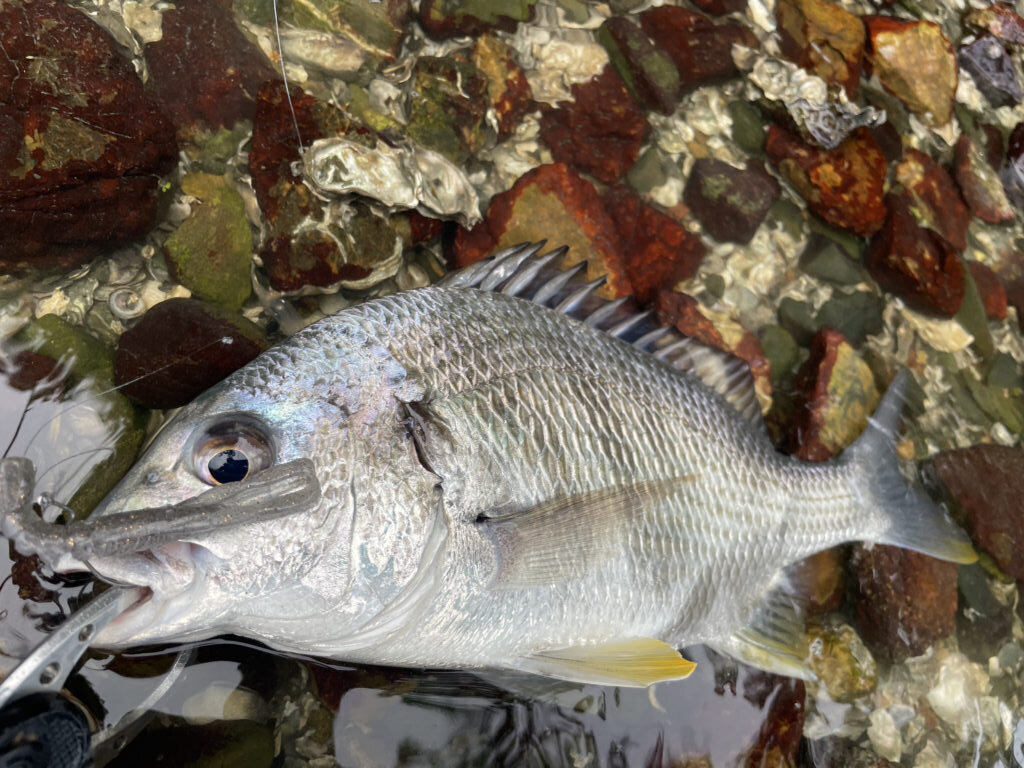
<point>229,466</point>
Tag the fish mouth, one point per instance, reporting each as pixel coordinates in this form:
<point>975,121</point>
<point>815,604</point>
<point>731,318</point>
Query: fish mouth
<point>165,587</point>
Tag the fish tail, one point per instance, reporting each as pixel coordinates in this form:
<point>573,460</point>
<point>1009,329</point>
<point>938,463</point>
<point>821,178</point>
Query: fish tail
<point>910,519</point>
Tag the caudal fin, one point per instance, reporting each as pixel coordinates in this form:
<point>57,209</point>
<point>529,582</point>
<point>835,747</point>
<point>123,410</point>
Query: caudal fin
<point>916,522</point>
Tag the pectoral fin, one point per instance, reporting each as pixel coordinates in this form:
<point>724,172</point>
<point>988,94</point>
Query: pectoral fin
<point>634,663</point>
<point>565,537</point>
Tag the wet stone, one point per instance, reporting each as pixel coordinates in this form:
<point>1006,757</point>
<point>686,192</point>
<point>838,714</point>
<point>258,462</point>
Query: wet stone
<point>983,623</point>
<point>915,263</point>
<point>209,79</point>
<point>915,62</point>
<point>442,19</point>
<point>835,395</point>
<point>721,7</point>
<point>1004,372</point>
<point>993,295</point>
<point>798,319</point>
<point>508,91</point>
<point>657,251</point>
<point>211,251</point>
<point>447,106</point>
<point>81,145</point>
<point>781,350</point>
<point>992,70</point>
<point>820,581</point>
<point>747,126</point>
<point>778,741</point>
<point>841,661</point>
<point>827,259</point>
<point>986,483</point>
<point>973,317</point>
<point>700,48</point>
<point>600,132</point>
<point>905,601</point>
<point>999,19</point>
<point>980,184</point>
<point>1012,172</point>
<point>823,38</point>
<point>843,186</point>
<point>377,27</point>
<point>648,72</point>
<point>178,349</point>
<point>651,170</point>
<point>213,745</point>
<point>550,203</point>
<point>856,315</point>
<point>730,203</point>
<point>932,197</point>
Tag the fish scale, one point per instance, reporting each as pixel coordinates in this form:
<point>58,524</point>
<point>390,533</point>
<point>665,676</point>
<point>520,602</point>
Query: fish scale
<point>565,490</point>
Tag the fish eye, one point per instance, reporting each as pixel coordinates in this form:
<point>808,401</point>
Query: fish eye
<point>231,450</point>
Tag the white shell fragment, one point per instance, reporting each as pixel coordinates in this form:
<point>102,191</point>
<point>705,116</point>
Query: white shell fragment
<point>404,176</point>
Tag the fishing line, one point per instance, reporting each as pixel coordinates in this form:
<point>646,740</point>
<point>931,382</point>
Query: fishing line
<point>284,77</point>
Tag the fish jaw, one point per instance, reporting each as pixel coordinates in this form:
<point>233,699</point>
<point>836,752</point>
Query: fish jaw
<point>169,588</point>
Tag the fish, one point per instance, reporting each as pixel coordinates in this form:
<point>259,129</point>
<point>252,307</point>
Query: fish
<point>512,474</point>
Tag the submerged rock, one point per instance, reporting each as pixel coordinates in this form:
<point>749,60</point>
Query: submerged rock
<point>824,38</point>
<point>931,197</point>
<point>984,623</point>
<point>508,91</point>
<point>447,106</point>
<point>779,739</point>
<point>999,19</point>
<point>980,184</point>
<point>993,294</point>
<point>180,348</point>
<point>992,70</point>
<point>730,203</point>
<point>647,71</point>
<point>841,661</point>
<point>450,18</point>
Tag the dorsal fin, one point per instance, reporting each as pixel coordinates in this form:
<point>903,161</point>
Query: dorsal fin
<point>523,271</point>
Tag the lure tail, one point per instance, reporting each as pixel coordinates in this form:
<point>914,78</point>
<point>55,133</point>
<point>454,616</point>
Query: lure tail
<point>914,521</point>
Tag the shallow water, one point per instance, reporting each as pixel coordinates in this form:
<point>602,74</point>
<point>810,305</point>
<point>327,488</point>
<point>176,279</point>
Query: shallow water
<point>238,704</point>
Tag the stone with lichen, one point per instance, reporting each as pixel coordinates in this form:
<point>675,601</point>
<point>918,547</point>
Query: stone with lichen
<point>730,203</point>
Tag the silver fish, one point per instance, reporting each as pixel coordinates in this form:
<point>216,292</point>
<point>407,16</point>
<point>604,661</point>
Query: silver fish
<point>505,486</point>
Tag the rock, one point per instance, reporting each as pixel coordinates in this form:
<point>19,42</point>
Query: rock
<point>798,319</point>
<point>177,350</point>
<point>1012,172</point>
<point>999,19</point>
<point>915,263</point>
<point>983,623</point>
<point>508,91</point>
<point>915,62</point>
<point>778,742</point>
<point>905,601</point>
<point>823,38</point>
<point>748,129</point>
<point>730,203</point>
<point>781,351</point>
<point>657,251</point>
<point>447,106</point>
<point>721,7</point>
<point>354,253</point>
<point>973,318</point>
<point>844,185</point>
<point>841,661</point>
<point>210,253</point>
<point>119,428</point>
<point>835,395</point>
<point>820,581</point>
<point>652,169</point>
<point>932,197</point>
<point>81,145</point>
<point>992,70</point>
<point>210,79</point>
<point>885,736</point>
<point>375,26</point>
<point>600,131</point>
<point>214,745</point>
<point>856,315</point>
<point>555,204</point>
<point>993,295</point>
<point>717,330</point>
<point>700,48</point>
<point>827,259</point>
<point>986,482</point>
<point>442,19</point>
<point>1004,372</point>
<point>648,72</point>
<point>980,184</point>
<point>955,697</point>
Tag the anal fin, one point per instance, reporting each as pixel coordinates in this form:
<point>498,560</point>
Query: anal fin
<point>633,663</point>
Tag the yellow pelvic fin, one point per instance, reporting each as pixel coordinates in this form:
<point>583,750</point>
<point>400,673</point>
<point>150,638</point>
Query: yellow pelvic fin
<point>633,663</point>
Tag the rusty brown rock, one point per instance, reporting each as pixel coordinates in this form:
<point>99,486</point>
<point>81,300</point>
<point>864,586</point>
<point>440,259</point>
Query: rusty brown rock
<point>657,250</point>
<point>778,742</point>
<point>844,185</point>
<point>980,184</point>
<point>600,132</point>
<point>993,294</point>
<point>824,38</point>
<point>915,62</point>
<point>905,600</point>
<point>551,203</point>
<point>721,7</point>
<point>81,146</point>
<point>835,395</point>
<point>999,19</point>
<point>700,48</point>
<point>915,263</point>
<point>647,71</point>
<point>508,91</point>
<point>986,484</point>
<point>932,197</point>
<point>730,203</point>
